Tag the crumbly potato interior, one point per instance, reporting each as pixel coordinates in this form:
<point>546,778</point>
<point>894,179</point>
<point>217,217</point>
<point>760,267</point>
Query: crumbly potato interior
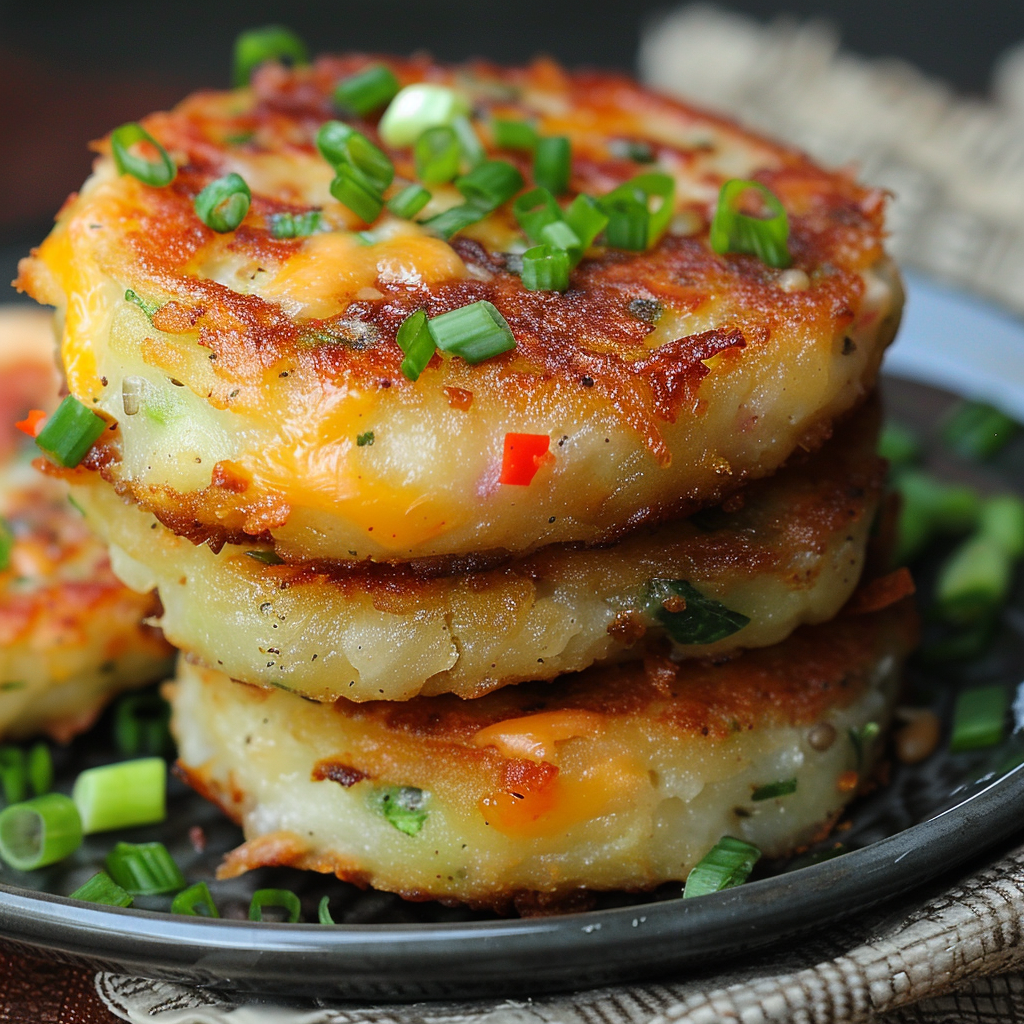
<point>614,779</point>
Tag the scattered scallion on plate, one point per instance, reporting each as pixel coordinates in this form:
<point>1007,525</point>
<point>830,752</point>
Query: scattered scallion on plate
<point>39,832</point>
<point>280,899</point>
<point>979,719</point>
<point>122,795</point>
<point>195,901</point>
<point>144,869</point>
<point>728,863</point>
<point>101,888</point>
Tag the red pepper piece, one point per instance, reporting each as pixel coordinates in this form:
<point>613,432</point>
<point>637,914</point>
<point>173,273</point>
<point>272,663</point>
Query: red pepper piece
<point>33,423</point>
<point>524,454</point>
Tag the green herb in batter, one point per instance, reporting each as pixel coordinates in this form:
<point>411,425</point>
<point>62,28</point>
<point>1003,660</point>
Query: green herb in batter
<point>688,616</point>
<point>403,806</point>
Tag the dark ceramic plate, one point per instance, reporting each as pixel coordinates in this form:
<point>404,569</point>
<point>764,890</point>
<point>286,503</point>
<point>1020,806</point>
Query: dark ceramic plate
<point>929,819</point>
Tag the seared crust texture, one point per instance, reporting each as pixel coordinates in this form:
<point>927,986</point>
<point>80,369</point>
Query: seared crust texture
<point>619,778</point>
<point>267,358</point>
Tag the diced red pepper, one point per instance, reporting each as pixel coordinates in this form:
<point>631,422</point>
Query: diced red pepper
<point>524,455</point>
<point>33,423</point>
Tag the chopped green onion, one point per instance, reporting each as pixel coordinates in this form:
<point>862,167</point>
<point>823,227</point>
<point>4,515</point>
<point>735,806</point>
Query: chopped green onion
<point>122,795</point>
<point>142,725</point>
<point>295,225</point>
<point>979,718</point>
<point>559,235</point>
<point>763,237</point>
<point>861,739</point>
<point>514,134</point>
<point>1002,522</point>
<point>195,901</point>
<point>266,557</point>
<point>362,440</point>
<point>404,807</point>
<point>351,189</point>
<point>39,766</point>
<point>158,172</point>
<point>149,308</point>
<point>39,832</point>
<point>6,544</point>
<point>774,789</point>
<point>974,581</point>
<point>978,430</point>
<point>366,91</point>
<point>928,507</point>
<point>144,869</point>
<point>690,617</point>
<point>323,911</point>
<point>259,45</point>
<point>342,146</point>
<point>416,341</point>
<point>632,149</point>
<point>587,220</point>
<point>70,432</point>
<point>409,201</point>
<point>223,204</point>
<point>283,899</point>
<point>475,332</point>
<point>437,154</point>
<point>728,863</point>
<point>899,445</point>
<point>455,219</point>
<point>545,269</point>
<point>13,774</point>
<point>101,888</point>
<point>535,210</point>
<point>632,224</point>
<point>552,162</point>
<point>469,142</point>
<point>417,108</point>
<point>490,184</point>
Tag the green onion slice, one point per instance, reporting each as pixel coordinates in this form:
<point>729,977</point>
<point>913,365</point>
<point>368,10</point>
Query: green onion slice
<point>552,162</point>
<point>159,171</point>
<point>469,142</point>
<point>142,725</point>
<point>13,774</point>
<point>586,218</point>
<point>763,237</point>
<point>122,795</point>
<point>974,581</point>
<point>70,432</point>
<point>490,184</point>
<point>195,901</point>
<point>475,332</point>
<point>417,108</point>
<point>437,154</point>
<point>259,45</point>
<point>351,189</point>
<point>341,146</point>
<point>363,440</point>
<point>39,768</point>
<point>545,268</point>
<point>323,911</point>
<point>39,832</point>
<point>404,807</point>
<point>535,210</point>
<point>101,888</point>
<point>899,445</point>
<point>862,738</point>
<point>979,718</point>
<point>728,863</point>
<point>452,221</point>
<point>416,341</point>
<point>144,869</point>
<point>366,91</point>
<point>283,899</point>
<point>149,308</point>
<point>514,134</point>
<point>639,211</point>
<point>409,201</point>
<point>978,430</point>
<point>1002,522</point>
<point>223,204</point>
<point>295,225</point>
<point>698,619</point>
<point>6,544</point>
<point>774,789</point>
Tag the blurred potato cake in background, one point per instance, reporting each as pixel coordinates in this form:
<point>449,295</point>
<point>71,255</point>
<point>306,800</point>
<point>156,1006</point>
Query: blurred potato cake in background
<point>71,634</point>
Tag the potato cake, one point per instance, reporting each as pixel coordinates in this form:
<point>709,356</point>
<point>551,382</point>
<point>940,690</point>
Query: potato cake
<point>254,373</point>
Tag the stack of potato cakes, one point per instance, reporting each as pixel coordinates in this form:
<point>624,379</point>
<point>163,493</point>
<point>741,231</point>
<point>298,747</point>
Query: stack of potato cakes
<point>506,537</point>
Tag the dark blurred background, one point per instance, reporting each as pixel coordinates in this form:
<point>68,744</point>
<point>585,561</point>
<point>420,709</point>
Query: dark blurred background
<point>70,73</point>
